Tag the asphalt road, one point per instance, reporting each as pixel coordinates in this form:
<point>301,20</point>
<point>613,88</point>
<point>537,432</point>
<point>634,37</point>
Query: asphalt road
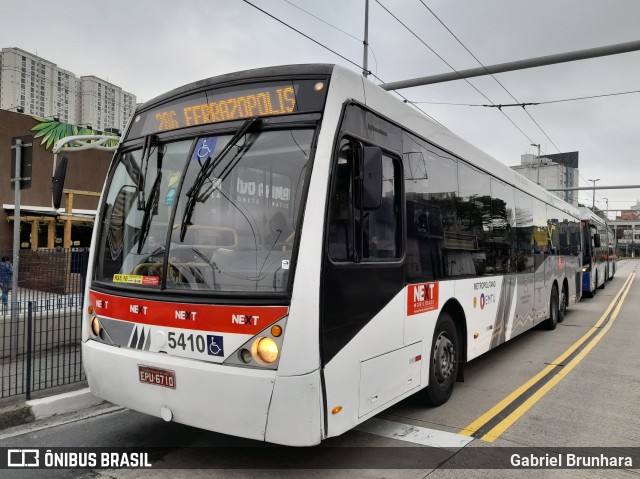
<point>588,397</point>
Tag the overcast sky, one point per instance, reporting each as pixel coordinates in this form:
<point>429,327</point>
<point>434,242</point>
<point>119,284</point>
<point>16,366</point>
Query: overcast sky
<point>150,46</point>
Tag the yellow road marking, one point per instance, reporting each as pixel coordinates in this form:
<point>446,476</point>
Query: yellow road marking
<point>491,413</point>
<point>507,422</point>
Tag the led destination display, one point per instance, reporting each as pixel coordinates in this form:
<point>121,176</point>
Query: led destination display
<point>273,101</point>
<point>228,104</point>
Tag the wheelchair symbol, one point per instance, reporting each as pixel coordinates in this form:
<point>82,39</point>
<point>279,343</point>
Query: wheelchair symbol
<point>204,151</point>
<point>215,345</point>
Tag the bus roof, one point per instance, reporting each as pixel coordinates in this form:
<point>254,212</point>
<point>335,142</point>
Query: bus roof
<point>229,79</point>
<point>386,104</point>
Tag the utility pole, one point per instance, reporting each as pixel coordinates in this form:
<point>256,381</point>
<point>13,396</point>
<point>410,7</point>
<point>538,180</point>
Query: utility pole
<point>365,42</point>
<point>17,181</point>
<point>538,145</point>
<point>537,164</point>
<point>593,204</point>
<point>16,231</point>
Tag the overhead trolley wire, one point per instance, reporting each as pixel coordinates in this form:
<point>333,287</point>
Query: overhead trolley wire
<point>303,34</point>
<point>359,40</point>
<point>338,54</point>
<point>492,76</point>
<point>452,68</point>
<point>534,103</point>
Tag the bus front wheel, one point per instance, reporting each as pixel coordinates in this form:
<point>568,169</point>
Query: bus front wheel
<point>443,361</point>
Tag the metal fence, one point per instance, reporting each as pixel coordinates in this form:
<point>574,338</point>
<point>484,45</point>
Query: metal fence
<point>40,325</point>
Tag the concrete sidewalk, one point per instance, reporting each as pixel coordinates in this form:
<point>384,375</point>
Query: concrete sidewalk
<point>62,400</point>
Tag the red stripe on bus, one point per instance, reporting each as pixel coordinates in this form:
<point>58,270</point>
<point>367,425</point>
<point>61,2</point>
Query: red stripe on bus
<point>199,317</point>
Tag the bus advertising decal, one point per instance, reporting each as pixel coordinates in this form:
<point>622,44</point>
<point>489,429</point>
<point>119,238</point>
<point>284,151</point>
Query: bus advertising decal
<point>422,298</point>
<point>198,317</point>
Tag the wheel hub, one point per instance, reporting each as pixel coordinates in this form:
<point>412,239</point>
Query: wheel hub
<point>444,358</point>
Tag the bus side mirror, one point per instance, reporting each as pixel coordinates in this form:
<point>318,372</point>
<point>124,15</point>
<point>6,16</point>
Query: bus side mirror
<point>371,197</point>
<point>58,182</point>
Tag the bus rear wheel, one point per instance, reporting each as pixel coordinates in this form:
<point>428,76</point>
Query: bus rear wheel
<point>564,303</point>
<point>443,361</point>
<point>604,281</point>
<point>554,310</point>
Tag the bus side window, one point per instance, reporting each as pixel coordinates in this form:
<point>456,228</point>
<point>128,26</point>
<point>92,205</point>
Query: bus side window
<point>340,209</point>
<point>360,235</point>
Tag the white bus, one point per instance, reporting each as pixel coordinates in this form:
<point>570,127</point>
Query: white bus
<point>280,254</point>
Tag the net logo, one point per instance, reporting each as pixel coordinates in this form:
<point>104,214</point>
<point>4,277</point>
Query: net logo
<point>23,458</point>
<point>186,315</point>
<point>422,298</point>
<point>244,319</point>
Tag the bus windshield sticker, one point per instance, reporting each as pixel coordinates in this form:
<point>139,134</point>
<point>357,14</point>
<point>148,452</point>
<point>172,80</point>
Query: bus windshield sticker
<point>204,149</point>
<point>136,279</point>
<point>215,345</point>
<point>422,298</point>
<point>174,178</point>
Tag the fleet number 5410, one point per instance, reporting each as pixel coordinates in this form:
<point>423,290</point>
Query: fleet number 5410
<point>186,342</point>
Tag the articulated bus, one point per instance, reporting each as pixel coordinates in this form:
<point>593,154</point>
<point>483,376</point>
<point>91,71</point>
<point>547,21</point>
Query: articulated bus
<point>595,256</point>
<point>282,253</point>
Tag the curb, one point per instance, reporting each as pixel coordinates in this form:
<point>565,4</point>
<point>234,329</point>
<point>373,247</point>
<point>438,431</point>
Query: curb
<point>36,409</point>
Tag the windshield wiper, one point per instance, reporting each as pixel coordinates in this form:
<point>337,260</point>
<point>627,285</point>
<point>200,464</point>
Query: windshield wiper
<point>149,142</point>
<point>205,171</point>
<point>151,205</point>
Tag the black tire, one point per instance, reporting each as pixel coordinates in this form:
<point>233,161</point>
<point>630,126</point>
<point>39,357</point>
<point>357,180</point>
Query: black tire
<point>604,281</point>
<point>554,310</point>
<point>614,272</point>
<point>564,303</point>
<point>443,361</point>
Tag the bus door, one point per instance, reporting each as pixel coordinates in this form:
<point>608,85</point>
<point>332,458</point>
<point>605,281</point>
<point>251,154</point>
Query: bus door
<point>362,282</point>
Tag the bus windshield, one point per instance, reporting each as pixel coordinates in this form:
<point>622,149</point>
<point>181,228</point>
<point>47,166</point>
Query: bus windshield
<point>183,216</point>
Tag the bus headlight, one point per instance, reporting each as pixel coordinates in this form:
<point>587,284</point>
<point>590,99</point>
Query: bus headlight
<point>585,269</point>
<point>264,350</point>
<point>95,326</point>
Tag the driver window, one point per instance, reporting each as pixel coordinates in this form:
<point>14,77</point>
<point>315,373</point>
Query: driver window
<point>362,235</point>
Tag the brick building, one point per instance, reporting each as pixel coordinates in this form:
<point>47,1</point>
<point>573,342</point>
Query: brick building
<point>41,226</point>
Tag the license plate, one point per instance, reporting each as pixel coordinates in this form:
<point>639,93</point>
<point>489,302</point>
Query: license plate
<point>159,377</point>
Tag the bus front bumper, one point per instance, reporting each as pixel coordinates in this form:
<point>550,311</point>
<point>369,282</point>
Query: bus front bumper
<point>220,398</point>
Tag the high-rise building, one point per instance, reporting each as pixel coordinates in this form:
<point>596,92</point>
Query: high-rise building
<point>104,104</point>
<point>552,171</point>
<point>43,89</point>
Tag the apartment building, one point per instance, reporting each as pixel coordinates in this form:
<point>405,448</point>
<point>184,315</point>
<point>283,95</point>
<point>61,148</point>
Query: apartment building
<point>40,88</point>
<point>552,171</point>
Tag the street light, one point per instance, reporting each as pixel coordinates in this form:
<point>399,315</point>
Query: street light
<point>537,145</point>
<point>593,204</point>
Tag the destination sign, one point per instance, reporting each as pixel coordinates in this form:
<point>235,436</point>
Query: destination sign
<point>228,104</point>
